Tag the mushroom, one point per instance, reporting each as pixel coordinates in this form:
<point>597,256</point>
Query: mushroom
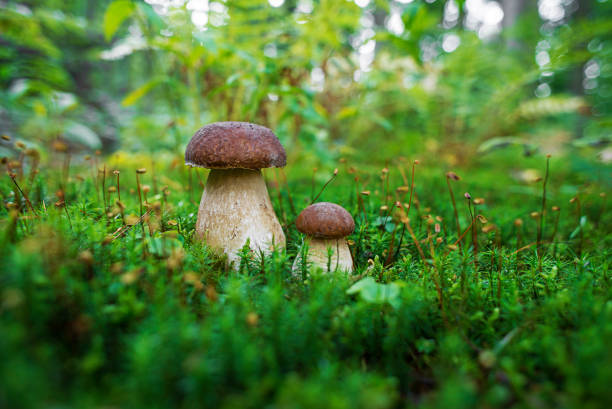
<point>326,226</point>
<point>235,206</point>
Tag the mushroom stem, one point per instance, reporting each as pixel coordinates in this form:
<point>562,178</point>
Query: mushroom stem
<point>235,207</point>
<point>337,258</point>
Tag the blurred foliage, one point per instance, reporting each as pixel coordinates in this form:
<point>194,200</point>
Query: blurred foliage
<point>325,75</point>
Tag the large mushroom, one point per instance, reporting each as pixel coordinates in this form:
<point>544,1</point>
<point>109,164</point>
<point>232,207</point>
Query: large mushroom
<point>326,226</point>
<point>235,206</point>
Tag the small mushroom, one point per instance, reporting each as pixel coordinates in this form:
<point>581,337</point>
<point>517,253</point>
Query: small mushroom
<point>326,226</point>
<point>235,206</point>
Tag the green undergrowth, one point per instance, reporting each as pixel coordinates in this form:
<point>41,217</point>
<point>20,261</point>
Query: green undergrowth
<point>103,308</point>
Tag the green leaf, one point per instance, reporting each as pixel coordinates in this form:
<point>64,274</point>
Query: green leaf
<point>77,132</point>
<point>417,19</point>
<point>385,221</point>
<point>152,17</point>
<point>504,141</point>
<point>139,92</point>
<point>575,232</point>
<point>542,107</point>
<point>162,247</point>
<point>375,293</point>
<point>347,112</point>
<point>116,13</point>
<point>208,40</point>
<point>233,78</point>
<point>384,123</point>
<point>594,141</point>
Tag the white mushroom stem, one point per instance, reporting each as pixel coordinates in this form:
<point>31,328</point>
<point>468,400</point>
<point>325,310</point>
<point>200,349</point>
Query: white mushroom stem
<point>235,207</point>
<point>327,254</point>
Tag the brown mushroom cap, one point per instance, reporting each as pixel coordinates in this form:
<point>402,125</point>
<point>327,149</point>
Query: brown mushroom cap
<point>325,220</point>
<point>230,145</point>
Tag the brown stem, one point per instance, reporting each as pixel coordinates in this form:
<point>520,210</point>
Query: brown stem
<point>464,233</point>
<point>578,217</point>
<point>528,246</point>
<point>325,185</point>
<point>360,202</point>
<point>416,242</point>
<point>117,173</point>
<point>33,171</point>
<point>499,266</point>
<point>450,190</point>
<point>104,190</point>
<point>67,158</point>
<point>389,258</point>
<point>436,283</point>
<point>142,215</point>
<point>542,213</point>
<point>554,234</point>
<point>416,162</point>
<point>25,196</point>
<point>474,235</point>
<point>140,201</point>
<point>124,229</point>
<point>68,215</point>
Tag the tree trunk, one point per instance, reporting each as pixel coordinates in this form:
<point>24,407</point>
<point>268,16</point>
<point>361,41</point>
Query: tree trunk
<point>577,85</point>
<point>512,11</point>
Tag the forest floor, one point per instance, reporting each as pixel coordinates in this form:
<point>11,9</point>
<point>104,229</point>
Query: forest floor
<point>489,288</point>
